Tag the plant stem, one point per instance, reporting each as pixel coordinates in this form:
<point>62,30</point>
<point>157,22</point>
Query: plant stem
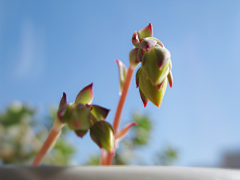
<point>51,139</point>
<point>116,122</point>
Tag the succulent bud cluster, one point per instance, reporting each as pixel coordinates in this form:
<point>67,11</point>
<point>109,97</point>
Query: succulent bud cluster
<point>82,116</point>
<point>151,77</point>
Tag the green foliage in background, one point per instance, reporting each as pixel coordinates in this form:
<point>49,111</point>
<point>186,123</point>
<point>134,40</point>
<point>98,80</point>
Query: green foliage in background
<point>22,135</point>
<point>126,153</point>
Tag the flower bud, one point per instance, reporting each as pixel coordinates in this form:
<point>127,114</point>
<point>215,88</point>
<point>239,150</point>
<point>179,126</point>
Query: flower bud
<point>133,58</point>
<point>135,39</point>
<point>102,134</point>
<point>151,77</point>
<point>150,64</point>
<point>78,117</point>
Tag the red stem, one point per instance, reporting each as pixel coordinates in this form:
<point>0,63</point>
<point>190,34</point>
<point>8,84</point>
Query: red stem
<point>116,122</point>
<point>51,137</point>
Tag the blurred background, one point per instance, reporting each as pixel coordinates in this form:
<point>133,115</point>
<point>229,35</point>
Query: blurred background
<point>50,47</point>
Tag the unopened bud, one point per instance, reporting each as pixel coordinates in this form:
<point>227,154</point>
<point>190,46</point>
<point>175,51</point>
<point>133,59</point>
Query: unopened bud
<point>102,134</point>
<point>135,39</point>
<point>133,58</point>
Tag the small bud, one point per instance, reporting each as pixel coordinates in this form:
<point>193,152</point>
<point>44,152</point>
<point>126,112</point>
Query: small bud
<point>133,58</point>
<point>80,133</point>
<point>102,134</point>
<point>147,44</point>
<point>85,96</point>
<point>99,112</point>
<point>122,74</point>
<point>151,69</point>
<point>79,117</point>
<point>135,39</point>
<point>146,32</point>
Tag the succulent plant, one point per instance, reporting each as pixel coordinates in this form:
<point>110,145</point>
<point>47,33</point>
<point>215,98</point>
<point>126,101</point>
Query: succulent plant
<point>81,116</point>
<point>151,77</point>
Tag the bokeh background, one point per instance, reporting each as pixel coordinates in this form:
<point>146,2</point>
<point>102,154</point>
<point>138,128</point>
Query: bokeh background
<point>50,47</point>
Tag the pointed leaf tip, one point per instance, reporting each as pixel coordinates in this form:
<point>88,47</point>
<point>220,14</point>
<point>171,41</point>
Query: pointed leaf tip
<point>170,79</point>
<point>80,133</point>
<point>146,32</point>
<point>85,96</point>
<point>122,74</point>
<point>123,132</point>
<point>144,98</point>
<point>63,100</point>
<point>100,113</point>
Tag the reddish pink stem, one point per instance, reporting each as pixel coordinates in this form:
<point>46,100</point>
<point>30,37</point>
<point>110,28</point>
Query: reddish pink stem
<point>116,122</point>
<point>51,138</point>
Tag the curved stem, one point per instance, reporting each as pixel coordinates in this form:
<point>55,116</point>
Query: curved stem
<point>51,139</point>
<point>116,122</point>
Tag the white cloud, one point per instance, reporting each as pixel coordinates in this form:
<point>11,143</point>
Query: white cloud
<point>30,56</point>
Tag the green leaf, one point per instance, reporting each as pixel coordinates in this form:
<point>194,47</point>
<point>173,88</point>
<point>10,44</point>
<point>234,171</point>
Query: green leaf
<point>146,32</point>
<point>85,96</point>
<point>100,113</point>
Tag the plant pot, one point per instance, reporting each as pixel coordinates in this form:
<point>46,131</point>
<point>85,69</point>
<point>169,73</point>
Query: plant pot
<point>116,173</point>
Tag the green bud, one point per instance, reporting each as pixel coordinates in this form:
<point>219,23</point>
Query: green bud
<point>151,68</point>
<point>133,58</point>
<point>102,134</point>
<point>135,39</point>
<point>78,117</point>
<point>150,91</point>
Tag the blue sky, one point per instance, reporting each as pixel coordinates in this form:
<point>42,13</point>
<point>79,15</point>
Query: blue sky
<point>47,47</point>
